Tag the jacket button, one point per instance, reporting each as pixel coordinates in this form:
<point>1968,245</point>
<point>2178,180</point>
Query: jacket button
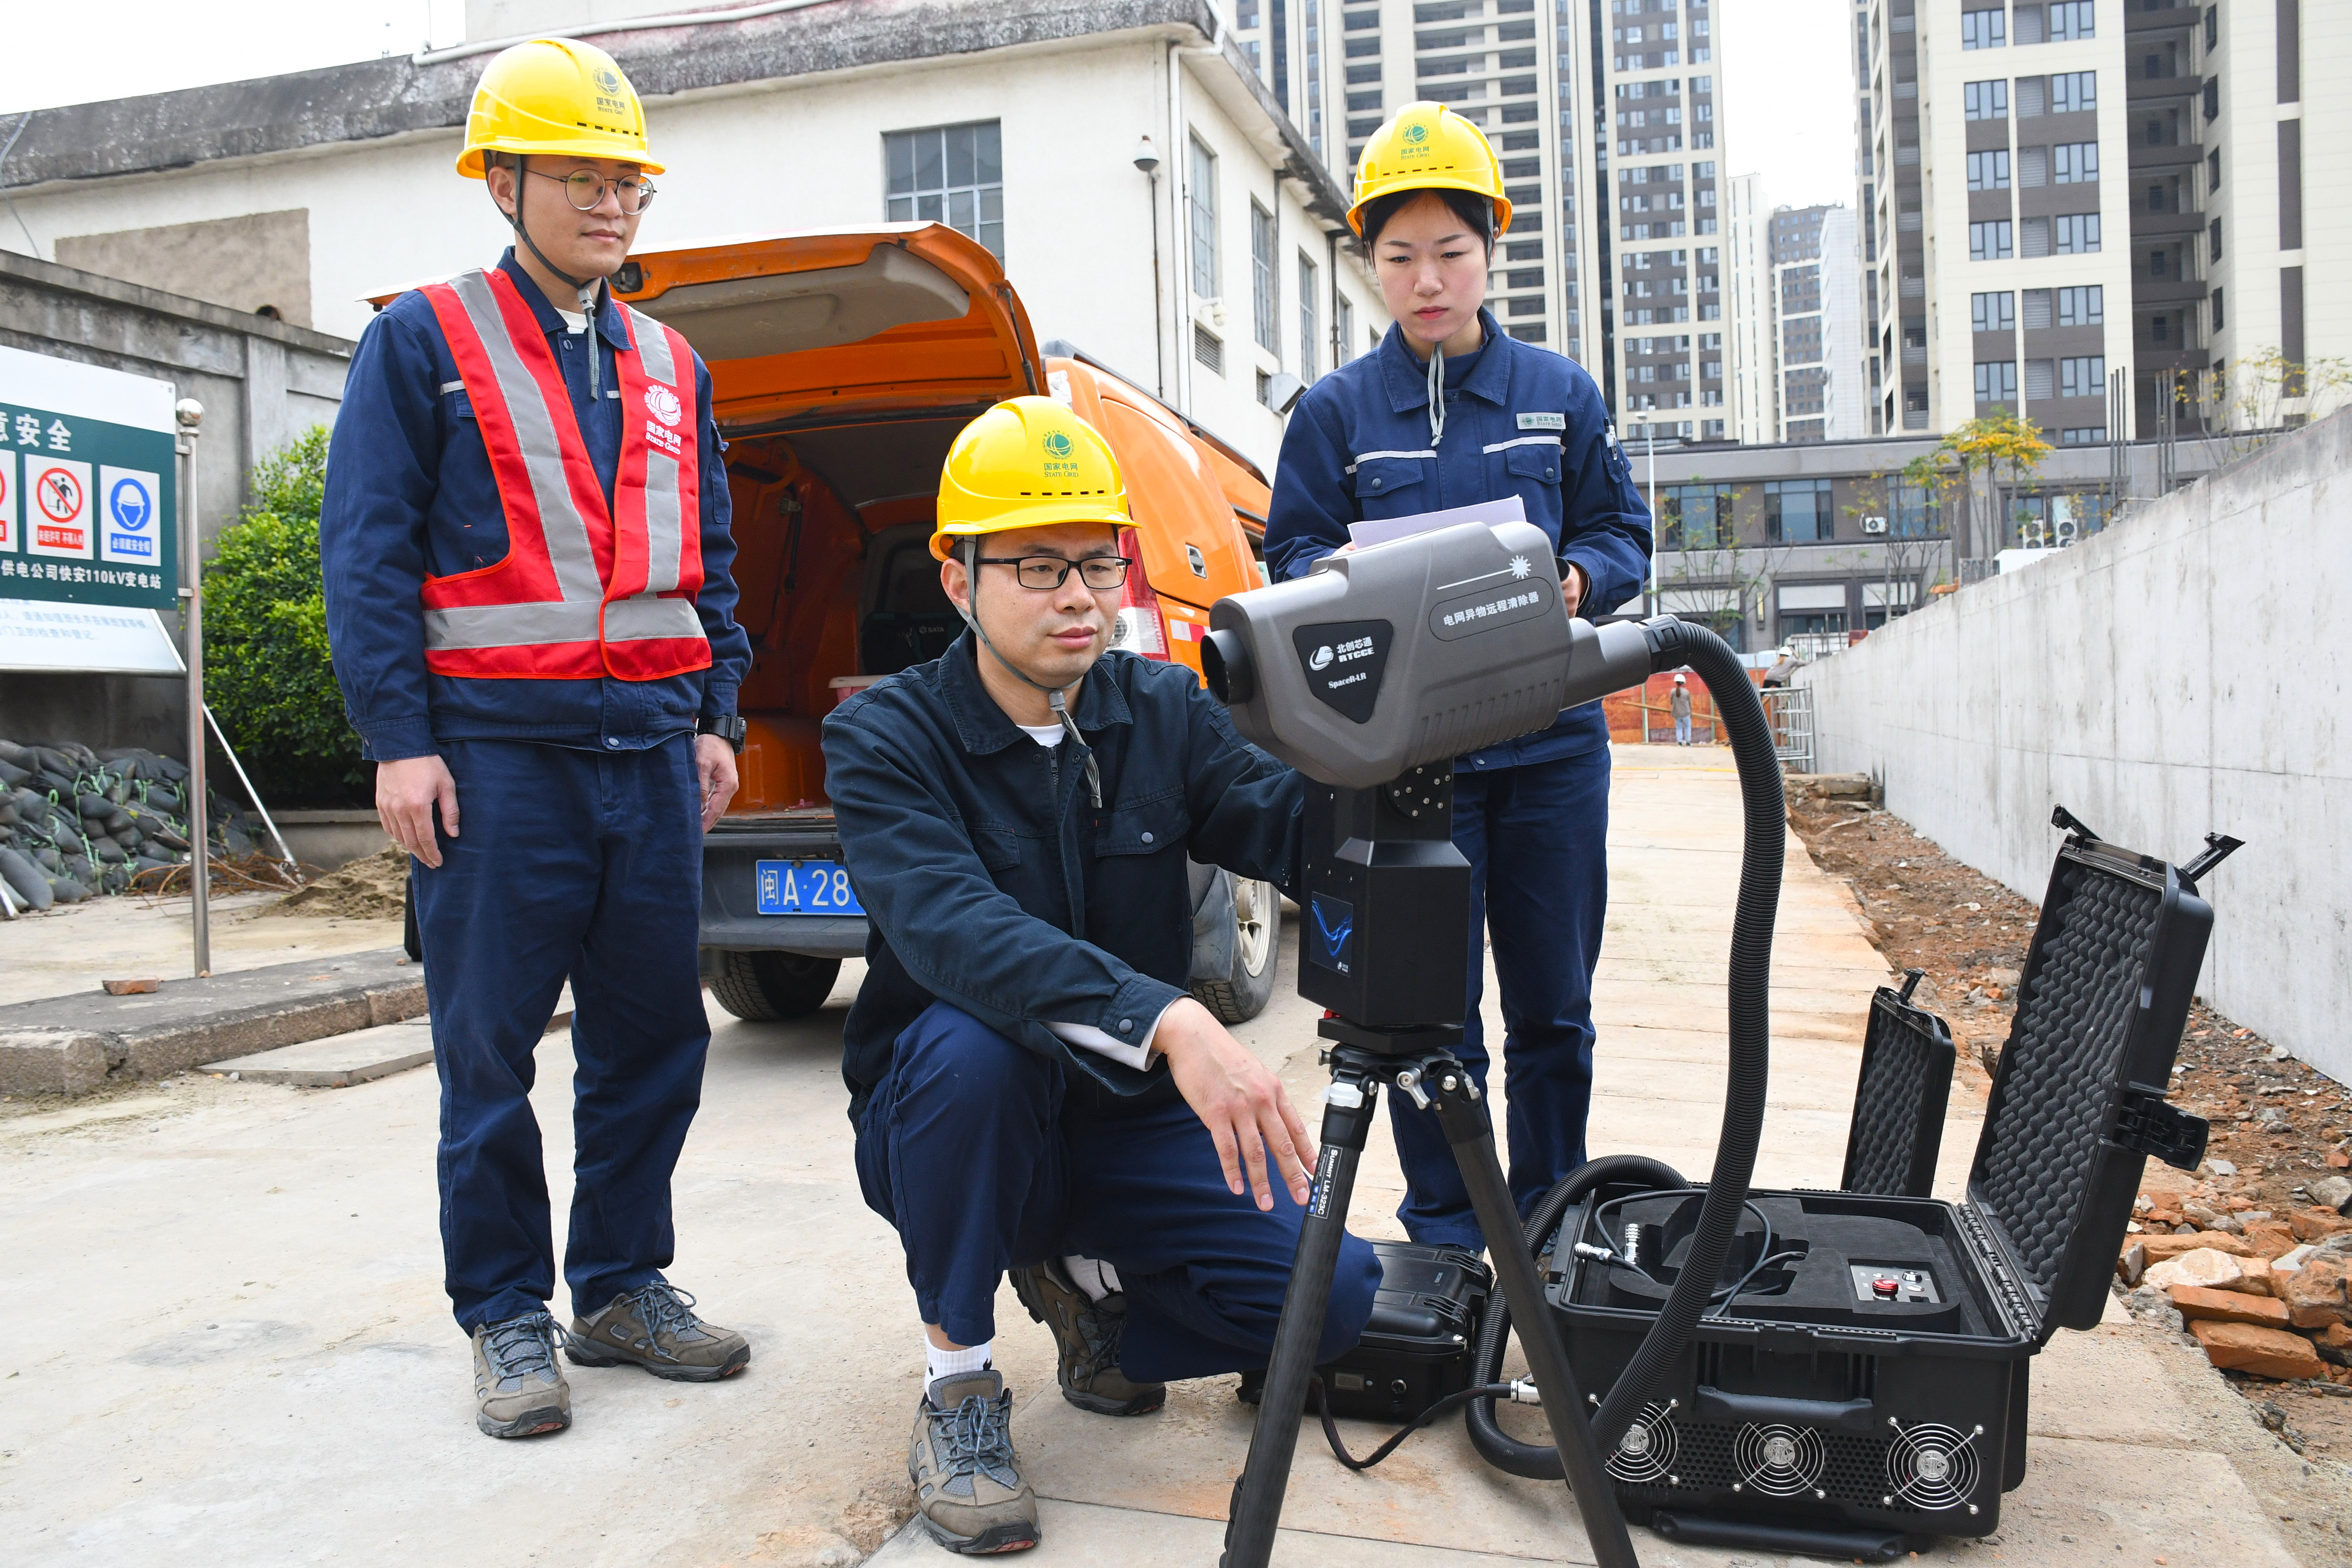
<point>1146,838</point>
<point>613,742</point>
<point>1551,473</point>
<point>1124,1024</point>
<point>1376,484</point>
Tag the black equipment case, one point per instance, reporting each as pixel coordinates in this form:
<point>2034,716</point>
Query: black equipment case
<point>1416,1348</point>
<point>1865,1387</point>
<point>1900,1097</point>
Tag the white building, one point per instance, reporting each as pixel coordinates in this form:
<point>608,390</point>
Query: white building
<point>1019,120</point>
<point>1749,289</point>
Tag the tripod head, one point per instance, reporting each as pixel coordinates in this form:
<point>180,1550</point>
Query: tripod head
<point>1399,655</point>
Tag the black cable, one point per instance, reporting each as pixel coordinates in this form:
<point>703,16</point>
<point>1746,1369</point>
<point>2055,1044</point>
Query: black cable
<point>1592,1216</point>
<point>1451,1402</point>
<point>1769,1257</point>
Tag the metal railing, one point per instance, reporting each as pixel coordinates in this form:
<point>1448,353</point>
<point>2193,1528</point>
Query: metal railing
<point>1790,710</point>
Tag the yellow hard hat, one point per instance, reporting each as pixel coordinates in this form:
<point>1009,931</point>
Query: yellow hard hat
<point>1026,463</point>
<point>1428,147</point>
<point>558,97</point>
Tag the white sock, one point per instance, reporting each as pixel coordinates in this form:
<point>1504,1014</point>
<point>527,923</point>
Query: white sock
<point>938,1363</point>
<point>1098,1279</point>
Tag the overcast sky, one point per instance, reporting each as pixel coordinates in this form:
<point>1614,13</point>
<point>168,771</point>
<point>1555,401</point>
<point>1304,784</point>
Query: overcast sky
<point>1786,87</point>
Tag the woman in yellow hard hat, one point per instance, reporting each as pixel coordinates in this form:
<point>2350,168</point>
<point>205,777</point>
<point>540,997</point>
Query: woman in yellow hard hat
<point>1034,1090</point>
<point>1451,411</point>
<point>526,545</point>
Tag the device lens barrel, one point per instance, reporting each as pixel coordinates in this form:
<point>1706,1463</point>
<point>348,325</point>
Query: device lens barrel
<point>1225,662</point>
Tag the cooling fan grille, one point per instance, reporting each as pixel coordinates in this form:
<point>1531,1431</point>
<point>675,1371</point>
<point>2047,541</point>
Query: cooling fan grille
<point>1931,1466</point>
<point>1777,1460</point>
<point>1647,1451</point>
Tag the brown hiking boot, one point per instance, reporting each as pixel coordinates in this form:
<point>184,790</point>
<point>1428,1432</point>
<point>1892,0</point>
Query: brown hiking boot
<point>1088,1333</point>
<point>519,1391</point>
<point>968,1482</point>
<point>655,1326</point>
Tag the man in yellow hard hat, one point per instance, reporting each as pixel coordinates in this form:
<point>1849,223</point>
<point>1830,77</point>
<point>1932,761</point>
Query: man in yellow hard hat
<point>1452,411</point>
<point>1032,1087</point>
<point>526,547</point>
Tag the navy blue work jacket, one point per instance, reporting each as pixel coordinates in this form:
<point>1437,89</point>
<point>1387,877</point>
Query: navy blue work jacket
<point>410,492</point>
<point>1525,421</point>
<point>993,883</point>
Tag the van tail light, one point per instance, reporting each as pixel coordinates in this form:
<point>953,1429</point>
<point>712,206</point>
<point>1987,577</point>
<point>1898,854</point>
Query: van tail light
<point>1140,628</point>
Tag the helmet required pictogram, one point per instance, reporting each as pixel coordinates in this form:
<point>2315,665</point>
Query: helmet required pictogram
<point>1428,147</point>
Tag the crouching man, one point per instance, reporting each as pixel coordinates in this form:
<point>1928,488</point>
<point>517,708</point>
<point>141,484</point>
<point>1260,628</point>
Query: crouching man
<point>1034,1091</point>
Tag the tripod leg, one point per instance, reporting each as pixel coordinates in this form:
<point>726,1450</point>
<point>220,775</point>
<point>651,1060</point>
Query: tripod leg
<point>1563,1405</point>
<point>1257,1495</point>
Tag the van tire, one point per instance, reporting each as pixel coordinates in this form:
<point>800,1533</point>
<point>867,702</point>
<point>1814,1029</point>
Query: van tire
<point>768,987</point>
<point>1242,992</point>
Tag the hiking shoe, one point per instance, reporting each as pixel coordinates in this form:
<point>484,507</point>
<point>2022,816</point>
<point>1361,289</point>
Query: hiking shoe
<point>519,1391</point>
<point>1086,1334</point>
<point>655,1326</point>
<point>968,1483</point>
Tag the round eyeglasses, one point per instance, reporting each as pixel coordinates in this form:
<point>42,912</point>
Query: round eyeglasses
<point>1045,572</point>
<point>584,189</point>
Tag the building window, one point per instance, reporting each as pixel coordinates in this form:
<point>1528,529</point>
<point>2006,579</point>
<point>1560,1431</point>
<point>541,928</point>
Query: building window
<point>1984,29</point>
<point>2074,92</point>
<point>2071,19</point>
<point>1308,324</point>
<point>1695,517</point>
<point>2213,236</point>
<point>1984,100</point>
<point>1990,241</point>
<point>1262,283</point>
<point>2084,377</point>
<point>2084,307</point>
<point>1997,381</point>
<point>2077,234</point>
<point>1993,313</point>
<point>1989,171</point>
<point>1912,511</point>
<point>2219,321</point>
<point>1343,330</point>
<point>1797,511</point>
<point>948,174</point>
<point>1201,196</point>
<point>2075,164</point>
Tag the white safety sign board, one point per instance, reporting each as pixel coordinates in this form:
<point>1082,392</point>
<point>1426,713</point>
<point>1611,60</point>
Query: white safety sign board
<point>102,638</point>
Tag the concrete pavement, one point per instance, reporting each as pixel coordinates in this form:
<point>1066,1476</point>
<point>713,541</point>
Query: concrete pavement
<point>233,1345</point>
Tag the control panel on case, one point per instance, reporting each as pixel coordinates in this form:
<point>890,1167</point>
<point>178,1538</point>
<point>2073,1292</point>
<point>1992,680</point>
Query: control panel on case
<point>1892,1282</point>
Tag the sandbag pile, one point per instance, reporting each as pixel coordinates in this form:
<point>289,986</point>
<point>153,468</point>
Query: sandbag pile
<point>75,823</point>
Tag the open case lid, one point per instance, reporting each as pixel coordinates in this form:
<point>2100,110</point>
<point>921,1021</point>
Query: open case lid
<point>2078,1100</point>
<point>1899,1097</point>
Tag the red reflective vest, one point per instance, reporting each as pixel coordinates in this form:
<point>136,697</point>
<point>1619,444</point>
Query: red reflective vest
<point>585,590</point>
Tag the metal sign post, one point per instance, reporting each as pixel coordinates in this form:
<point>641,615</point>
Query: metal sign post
<point>190,415</point>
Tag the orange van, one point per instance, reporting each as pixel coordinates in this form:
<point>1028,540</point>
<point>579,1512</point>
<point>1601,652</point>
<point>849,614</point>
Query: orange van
<point>843,363</point>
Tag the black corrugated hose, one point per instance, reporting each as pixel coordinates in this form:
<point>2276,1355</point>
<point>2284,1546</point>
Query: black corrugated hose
<point>1674,644</point>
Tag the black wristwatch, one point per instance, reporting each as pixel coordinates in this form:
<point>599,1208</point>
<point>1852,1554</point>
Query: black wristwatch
<point>729,728</point>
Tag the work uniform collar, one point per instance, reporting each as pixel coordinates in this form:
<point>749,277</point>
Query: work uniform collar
<point>984,727</point>
<point>611,325</point>
<point>1406,377</point>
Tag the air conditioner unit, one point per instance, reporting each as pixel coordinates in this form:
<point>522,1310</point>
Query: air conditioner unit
<point>1873,525</point>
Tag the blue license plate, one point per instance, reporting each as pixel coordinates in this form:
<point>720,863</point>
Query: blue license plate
<point>805,887</point>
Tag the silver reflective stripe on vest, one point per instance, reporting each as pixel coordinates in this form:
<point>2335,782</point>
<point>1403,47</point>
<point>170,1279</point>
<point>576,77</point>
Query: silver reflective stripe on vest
<point>653,349</point>
<point>665,541</point>
<point>510,626</point>
<point>649,619</point>
<point>565,530</point>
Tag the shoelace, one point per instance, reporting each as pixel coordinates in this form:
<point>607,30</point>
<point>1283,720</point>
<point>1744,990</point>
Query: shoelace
<point>663,1306</point>
<point>520,1347</point>
<point>977,1433</point>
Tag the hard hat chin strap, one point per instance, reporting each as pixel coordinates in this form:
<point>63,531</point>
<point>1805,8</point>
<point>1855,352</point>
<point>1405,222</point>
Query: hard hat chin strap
<point>969,611</point>
<point>1437,394</point>
<point>584,289</point>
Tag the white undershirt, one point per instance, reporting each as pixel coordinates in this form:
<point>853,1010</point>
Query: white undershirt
<point>1085,1036</point>
<point>574,322</point>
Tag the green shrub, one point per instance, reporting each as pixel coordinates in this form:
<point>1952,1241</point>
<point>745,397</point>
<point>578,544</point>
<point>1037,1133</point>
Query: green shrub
<point>267,674</point>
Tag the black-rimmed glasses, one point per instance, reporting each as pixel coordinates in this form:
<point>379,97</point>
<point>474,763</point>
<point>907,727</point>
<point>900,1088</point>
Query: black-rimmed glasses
<point>1046,573</point>
<point>584,189</point>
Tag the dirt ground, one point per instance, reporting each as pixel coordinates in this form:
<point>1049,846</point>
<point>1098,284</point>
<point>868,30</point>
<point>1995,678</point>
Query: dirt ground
<point>2277,1123</point>
<point>371,889</point>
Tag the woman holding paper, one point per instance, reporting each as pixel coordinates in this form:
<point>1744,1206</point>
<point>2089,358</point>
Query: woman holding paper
<point>1448,413</point>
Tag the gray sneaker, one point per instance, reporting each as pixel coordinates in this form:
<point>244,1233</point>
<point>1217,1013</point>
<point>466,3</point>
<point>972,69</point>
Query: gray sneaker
<point>518,1389</point>
<point>1087,1336</point>
<point>968,1482</point>
<point>655,1326</point>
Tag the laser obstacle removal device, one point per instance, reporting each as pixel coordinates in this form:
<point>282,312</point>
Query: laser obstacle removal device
<point>1368,676</point>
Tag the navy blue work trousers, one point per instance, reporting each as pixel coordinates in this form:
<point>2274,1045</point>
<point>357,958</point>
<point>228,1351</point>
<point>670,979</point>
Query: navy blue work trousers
<point>1536,839</point>
<point>575,864</point>
<point>975,1149</point>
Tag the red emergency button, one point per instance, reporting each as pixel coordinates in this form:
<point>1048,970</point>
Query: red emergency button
<point>1883,1290</point>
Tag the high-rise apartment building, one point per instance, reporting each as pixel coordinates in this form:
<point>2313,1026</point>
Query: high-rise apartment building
<point>1600,110</point>
<point>1749,291</point>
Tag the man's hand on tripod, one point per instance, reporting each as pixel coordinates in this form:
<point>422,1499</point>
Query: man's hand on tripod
<point>1237,1100</point>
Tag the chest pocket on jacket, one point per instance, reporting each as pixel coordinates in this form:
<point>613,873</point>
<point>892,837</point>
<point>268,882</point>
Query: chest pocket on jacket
<point>1540,461</point>
<point>1145,828</point>
<point>999,848</point>
<point>1378,477</point>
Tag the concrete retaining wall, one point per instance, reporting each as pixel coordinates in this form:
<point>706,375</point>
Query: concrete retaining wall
<point>2182,673</point>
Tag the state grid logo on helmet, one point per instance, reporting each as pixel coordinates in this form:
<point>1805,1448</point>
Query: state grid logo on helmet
<point>1060,453</point>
